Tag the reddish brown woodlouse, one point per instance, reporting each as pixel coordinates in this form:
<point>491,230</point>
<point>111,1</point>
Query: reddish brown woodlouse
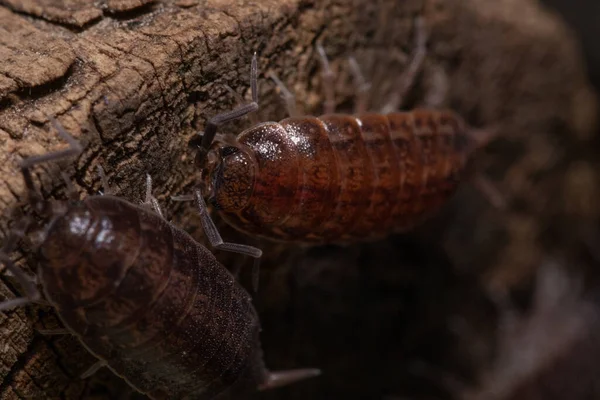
<point>142,296</point>
<point>337,177</point>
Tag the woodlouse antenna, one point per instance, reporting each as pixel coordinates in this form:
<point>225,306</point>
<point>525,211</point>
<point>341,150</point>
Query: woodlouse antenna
<point>216,241</point>
<point>240,100</point>
<point>254,78</point>
<point>212,125</point>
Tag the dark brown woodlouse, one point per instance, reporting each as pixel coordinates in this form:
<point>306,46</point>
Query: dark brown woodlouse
<point>337,177</point>
<point>141,295</point>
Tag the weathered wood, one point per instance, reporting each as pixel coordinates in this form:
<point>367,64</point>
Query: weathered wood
<point>132,79</point>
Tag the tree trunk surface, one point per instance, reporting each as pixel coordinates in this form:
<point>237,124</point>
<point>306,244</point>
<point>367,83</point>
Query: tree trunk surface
<point>133,80</point>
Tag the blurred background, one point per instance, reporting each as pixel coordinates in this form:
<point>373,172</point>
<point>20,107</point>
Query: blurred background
<point>582,17</point>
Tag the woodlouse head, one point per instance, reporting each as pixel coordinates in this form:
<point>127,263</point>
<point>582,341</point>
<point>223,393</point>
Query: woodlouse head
<point>228,177</point>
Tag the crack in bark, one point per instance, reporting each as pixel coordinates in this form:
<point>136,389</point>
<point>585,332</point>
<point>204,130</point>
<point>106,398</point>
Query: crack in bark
<point>17,367</point>
<point>79,26</point>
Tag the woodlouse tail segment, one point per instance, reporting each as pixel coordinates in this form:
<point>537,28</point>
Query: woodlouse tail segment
<point>28,283</point>
<point>414,67</point>
<point>212,125</point>
<point>328,81</point>
<point>283,378</point>
<point>216,241</point>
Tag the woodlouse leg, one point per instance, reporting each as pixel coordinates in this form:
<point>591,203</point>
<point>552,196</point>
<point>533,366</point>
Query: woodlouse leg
<point>282,378</point>
<point>413,69</point>
<point>26,164</point>
<point>438,88</point>
<point>150,200</point>
<point>32,294</point>
<point>106,188</point>
<point>286,95</point>
<point>216,241</point>
<point>362,87</point>
<point>480,138</point>
<point>72,192</point>
<point>240,99</point>
<point>52,332</point>
<point>28,283</point>
<point>488,190</point>
<point>183,197</point>
<point>328,82</point>
<point>15,303</point>
<point>211,126</point>
<point>236,267</point>
<point>93,369</point>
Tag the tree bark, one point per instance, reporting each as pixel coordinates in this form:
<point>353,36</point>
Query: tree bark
<point>134,79</point>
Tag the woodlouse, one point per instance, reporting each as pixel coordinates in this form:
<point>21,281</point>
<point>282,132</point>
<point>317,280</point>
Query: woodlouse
<point>337,177</point>
<point>141,295</point>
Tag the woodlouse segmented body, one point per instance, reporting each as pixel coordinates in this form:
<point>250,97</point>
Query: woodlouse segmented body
<point>148,301</point>
<point>151,302</point>
<point>338,177</point>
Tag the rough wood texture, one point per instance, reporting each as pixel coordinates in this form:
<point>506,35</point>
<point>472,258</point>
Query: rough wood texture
<point>131,79</point>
